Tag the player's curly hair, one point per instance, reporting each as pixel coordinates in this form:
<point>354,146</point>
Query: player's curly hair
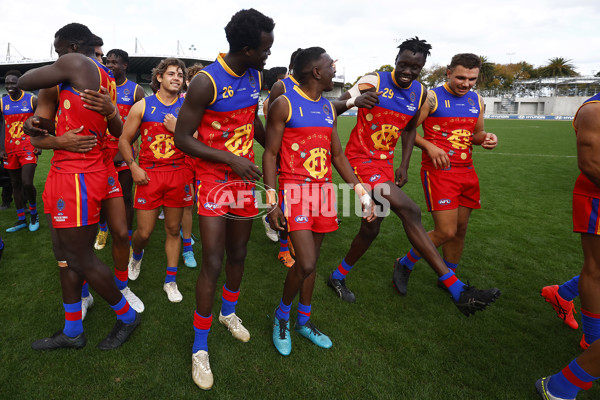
<point>12,72</point>
<point>292,58</point>
<point>161,68</point>
<point>415,45</point>
<point>78,34</point>
<point>467,60</point>
<point>303,59</point>
<point>122,54</point>
<point>245,29</point>
<point>194,69</point>
<point>270,76</point>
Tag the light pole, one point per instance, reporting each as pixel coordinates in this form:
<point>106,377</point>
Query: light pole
<point>192,49</point>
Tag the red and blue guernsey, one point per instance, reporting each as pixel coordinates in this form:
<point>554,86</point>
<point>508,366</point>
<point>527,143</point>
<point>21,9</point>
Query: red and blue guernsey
<point>125,100</point>
<point>288,83</point>
<point>72,114</point>
<point>583,185</point>
<point>378,129</point>
<point>228,121</point>
<point>15,113</point>
<point>157,147</point>
<point>306,143</point>
<point>450,126</point>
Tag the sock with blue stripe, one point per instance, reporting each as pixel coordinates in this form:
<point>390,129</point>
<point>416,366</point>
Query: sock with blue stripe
<point>568,382</point>
<point>129,234</point>
<point>341,271</point>
<point>230,300</point>
<point>283,245</point>
<point>591,326</point>
<point>453,284</point>
<point>124,311</point>
<point>283,311</point>
<point>171,274</point>
<point>303,314</point>
<point>137,256</point>
<point>85,290</point>
<point>201,329</point>
<point>21,214</point>
<point>187,244</point>
<point>570,289</point>
<point>32,208</point>
<point>103,226</point>
<point>451,266</point>
<point>410,259</point>
<point>121,279</point>
<point>73,323</point>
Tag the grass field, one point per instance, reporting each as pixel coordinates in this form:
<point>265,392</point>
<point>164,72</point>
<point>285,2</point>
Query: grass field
<point>385,346</point>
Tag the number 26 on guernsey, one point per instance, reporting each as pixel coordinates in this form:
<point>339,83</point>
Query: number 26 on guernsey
<point>227,92</point>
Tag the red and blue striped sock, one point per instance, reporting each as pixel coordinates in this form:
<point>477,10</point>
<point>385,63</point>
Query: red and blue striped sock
<point>124,312</point>
<point>568,382</point>
<point>230,299</point>
<point>103,226</point>
<point>283,245</point>
<point>202,328</point>
<point>303,314</point>
<point>21,214</point>
<point>453,284</point>
<point>137,256</point>
<point>121,279</point>
<point>570,289</point>
<point>85,290</point>
<point>73,323</point>
<point>341,271</point>
<point>591,326</point>
<point>410,259</point>
<point>171,274</point>
<point>32,208</point>
<point>283,311</point>
<point>129,234</point>
<point>187,244</point>
<point>451,266</point>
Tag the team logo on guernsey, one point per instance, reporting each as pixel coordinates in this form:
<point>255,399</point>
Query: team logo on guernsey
<point>67,104</point>
<point>163,146</point>
<point>60,204</point>
<point>301,219</point>
<point>460,139</point>
<point>241,142</point>
<point>252,81</point>
<point>413,97</point>
<point>24,103</point>
<point>326,109</point>
<point>126,92</point>
<point>470,101</point>
<point>177,110</point>
<point>383,137</point>
<point>315,164</point>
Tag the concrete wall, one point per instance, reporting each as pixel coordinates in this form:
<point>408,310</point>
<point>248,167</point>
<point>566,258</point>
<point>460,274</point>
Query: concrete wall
<point>565,106</point>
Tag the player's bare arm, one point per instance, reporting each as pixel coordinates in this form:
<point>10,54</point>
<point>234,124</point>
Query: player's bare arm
<point>101,102</point>
<point>587,125</point>
<point>259,129</point>
<point>278,114</point>
<point>342,165</point>
<point>73,68</point>
<point>438,156</point>
<point>130,129</point>
<point>200,94</point>
<point>42,122</point>
<point>487,140</point>
<point>362,95</point>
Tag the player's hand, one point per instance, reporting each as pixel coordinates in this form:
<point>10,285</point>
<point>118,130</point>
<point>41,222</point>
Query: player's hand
<point>3,154</point>
<point>169,122</point>
<point>401,176</point>
<point>490,141</point>
<point>140,177</point>
<point>33,127</point>
<point>438,156</point>
<point>245,168</point>
<point>368,210</point>
<point>75,143</point>
<point>98,101</point>
<point>37,152</point>
<point>118,159</point>
<point>367,100</point>
<point>276,219</point>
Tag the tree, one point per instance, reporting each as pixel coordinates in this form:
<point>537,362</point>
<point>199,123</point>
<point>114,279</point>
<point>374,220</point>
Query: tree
<point>597,74</point>
<point>558,67</point>
<point>433,76</point>
<point>486,73</point>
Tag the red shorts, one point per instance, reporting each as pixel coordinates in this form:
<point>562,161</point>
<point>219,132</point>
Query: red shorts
<point>73,200</point>
<point>113,186</point>
<point>448,190</point>
<point>170,188</point>
<point>310,207</point>
<point>17,160</point>
<point>373,173</point>
<point>585,214</point>
<point>235,198</point>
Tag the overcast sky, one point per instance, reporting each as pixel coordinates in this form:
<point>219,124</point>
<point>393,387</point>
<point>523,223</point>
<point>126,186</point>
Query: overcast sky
<point>363,35</point>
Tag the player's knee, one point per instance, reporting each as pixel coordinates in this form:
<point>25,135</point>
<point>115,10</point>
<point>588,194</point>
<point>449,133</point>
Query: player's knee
<point>369,232</point>
<point>445,233</point>
<point>305,268</point>
<point>407,211</point>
